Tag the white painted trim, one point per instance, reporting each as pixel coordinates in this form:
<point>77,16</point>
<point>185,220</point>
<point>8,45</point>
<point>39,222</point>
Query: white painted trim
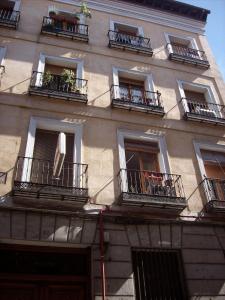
<point>139,28</point>
<point>54,125</point>
<point>2,55</point>
<point>198,146</point>
<point>17,5</point>
<point>141,136</point>
<point>143,14</point>
<point>148,79</point>
<point>210,95</point>
<point>59,61</point>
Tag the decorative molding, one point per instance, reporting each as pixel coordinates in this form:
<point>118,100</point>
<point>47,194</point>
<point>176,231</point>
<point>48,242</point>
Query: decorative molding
<point>153,16</point>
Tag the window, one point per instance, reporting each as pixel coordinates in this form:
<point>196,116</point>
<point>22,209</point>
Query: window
<point>199,101</point>
<point>65,24</point>
<point>129,37</point>
<point>52,165</point>
<point>158,274</point>
<point>144,176</point>
<point>59,77</point>
<point>183,46</point>
<point>211,160</point>
<point>142,167</point>
<point>9,13</point>
<point>185,50</point>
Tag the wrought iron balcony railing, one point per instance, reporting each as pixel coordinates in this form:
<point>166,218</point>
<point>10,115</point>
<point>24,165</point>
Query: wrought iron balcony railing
<point>124,41</point>
<point>35,177</point>
<point>65,29</point>
<point>151,189</point>
<point>58,86</point>
<point>187,55</point>
<point>215,194</point>
<point>9,18</point>
<point>145,101</point>
<point>204,111</point>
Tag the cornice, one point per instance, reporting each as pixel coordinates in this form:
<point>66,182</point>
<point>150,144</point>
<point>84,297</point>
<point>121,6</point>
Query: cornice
<point>143,14</point>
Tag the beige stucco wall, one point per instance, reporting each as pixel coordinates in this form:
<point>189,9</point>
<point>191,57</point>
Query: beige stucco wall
<point>100,121</point>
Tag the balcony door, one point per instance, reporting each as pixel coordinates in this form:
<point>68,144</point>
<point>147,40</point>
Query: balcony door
<point>42,163</point>
<point>132,91</point>
<point>142,166</point>
<point>214,163</point>
<point>126,34</point>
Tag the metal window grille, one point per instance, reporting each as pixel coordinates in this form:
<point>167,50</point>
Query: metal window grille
<point>158,274</point>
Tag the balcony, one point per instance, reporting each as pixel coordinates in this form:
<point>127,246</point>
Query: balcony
<point>187,55</point>
<point>65,28</point>
<point>133,43</point>
<point>146,101</point>
<point>9,18</point>
<point>58,86</point>
<point>34,178</point>
<point>158,190</point>
<point>215,194</point>
<point>204,112</point>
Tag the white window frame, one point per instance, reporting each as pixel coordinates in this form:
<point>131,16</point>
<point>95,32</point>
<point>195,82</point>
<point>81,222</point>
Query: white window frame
<point>190,39</point>
<point>147,78</point>
<point>60,61</point>
<point>17,5</point>
<point>209,92</point>
<point>52,125</point>
<point>2,57</point>
<point>145,137</point>
<point>139,28</point>
<point>198,146</point>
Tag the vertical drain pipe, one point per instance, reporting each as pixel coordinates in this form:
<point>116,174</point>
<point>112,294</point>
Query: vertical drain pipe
<point>102,263</point>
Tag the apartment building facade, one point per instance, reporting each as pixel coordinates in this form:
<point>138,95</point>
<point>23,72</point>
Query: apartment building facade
<point>112,157</point>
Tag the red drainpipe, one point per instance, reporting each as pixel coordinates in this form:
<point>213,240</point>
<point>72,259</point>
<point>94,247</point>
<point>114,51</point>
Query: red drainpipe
<point>102,255</point>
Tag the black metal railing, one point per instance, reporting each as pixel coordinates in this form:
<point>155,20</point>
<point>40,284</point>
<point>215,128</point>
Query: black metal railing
<point>182,53</point>
<point>203,110</point>
<point>123,40</point>
<point>124,97</point>
<point>65,28</point>
<point>151,183</point>
<point>187,52</point>
<point>51,85</point>
<point>33,175</point>
<point>214,189</point>
<point>9,18</point>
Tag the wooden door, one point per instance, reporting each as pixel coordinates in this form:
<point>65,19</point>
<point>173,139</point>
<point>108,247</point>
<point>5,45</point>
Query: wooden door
<point>41,291</point>
<point>64,292</point>
<point>19,291</point>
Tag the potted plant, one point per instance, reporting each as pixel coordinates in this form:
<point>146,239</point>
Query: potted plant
<point>84,13</point>
<point>68,79</point>
<point>47,79</point>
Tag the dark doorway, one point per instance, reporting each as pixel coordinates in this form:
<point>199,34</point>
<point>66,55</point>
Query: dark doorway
<point>44,273</point>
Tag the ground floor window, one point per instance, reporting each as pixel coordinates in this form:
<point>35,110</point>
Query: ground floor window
<point>158,274</point>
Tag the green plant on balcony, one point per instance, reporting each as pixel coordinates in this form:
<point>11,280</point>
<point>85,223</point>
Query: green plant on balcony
<point>85,10</point>
<point>47,78</point>
<point>68,78</point>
